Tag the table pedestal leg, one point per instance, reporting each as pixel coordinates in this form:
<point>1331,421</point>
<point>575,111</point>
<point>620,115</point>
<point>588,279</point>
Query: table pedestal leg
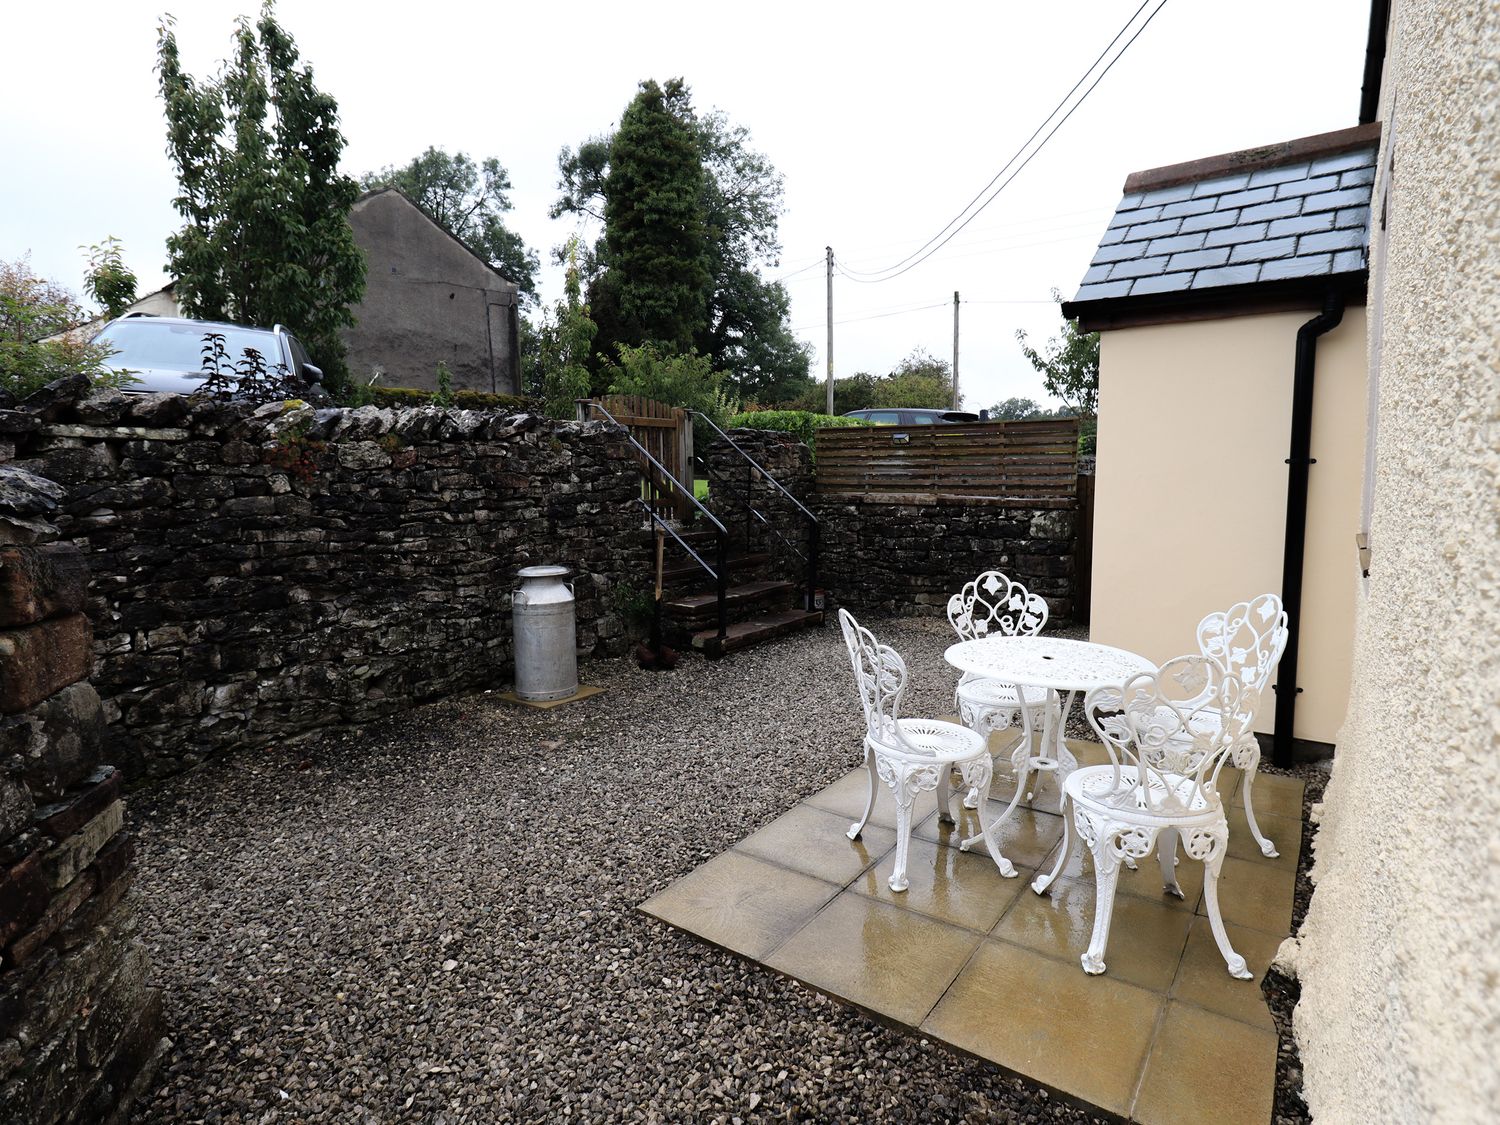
<point>1025,763</point>
<point>1066,763</point>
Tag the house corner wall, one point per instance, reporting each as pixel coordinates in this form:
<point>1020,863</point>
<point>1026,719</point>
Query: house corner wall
<point>1399,954</point>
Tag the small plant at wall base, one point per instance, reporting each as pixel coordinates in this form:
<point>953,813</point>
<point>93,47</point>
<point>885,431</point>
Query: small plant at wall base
<point>636,607</point>
<point>443,396</point>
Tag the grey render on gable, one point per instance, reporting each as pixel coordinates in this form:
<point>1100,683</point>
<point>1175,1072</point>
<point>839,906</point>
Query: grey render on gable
<point>428,298</point>
<point>1307,218</point>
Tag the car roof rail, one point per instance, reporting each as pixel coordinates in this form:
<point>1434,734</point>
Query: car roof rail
<point>133,315</point>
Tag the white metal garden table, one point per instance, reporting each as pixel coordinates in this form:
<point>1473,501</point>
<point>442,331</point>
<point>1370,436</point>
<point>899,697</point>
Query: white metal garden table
<point>1062,666</point>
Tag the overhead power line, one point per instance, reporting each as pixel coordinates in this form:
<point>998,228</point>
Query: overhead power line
<point>904,310</point>
<point>970,211</point>
<point>814,264</point>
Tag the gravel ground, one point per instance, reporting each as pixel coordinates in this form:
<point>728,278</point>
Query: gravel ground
<point>434,919</point>
<point>1282,992</point>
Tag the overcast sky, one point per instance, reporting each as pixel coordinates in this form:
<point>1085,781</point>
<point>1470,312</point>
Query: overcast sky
<point>885,120</point>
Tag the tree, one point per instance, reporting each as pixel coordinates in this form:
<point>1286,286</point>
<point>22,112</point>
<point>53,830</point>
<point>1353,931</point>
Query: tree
<point>468,200</point>
<point>686,380</point>
<point>850,392</point>
<point>267,238</point>
<point>1015,410</point>
<point>919,381</point>
<point>563,343</point>
<point>655,285</point>
<point>36,344</point>
<point>744,329</point>
<point>109,280</point>
<point>748,333</point>
<point>1069,367</point>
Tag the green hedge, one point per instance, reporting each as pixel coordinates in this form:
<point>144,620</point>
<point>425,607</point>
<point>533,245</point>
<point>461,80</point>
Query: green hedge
<point>802,424</point>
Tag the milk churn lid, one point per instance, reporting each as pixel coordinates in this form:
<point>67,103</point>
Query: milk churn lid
<point>542,572</point>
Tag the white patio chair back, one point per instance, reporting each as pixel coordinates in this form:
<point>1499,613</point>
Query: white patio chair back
<point>1166,761</point>
<point>1248,639</point>
<point>993,605</point>
<point>880,677</point>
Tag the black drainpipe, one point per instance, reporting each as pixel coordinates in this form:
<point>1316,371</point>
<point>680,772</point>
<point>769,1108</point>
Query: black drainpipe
<point>1299,461</point>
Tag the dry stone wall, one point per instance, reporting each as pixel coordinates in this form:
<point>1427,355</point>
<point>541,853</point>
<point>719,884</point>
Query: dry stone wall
<point>259,573</point>
<point>910,558</point>
<point>735,485</point>
<point>905,557</point>
<point>80,1028</point>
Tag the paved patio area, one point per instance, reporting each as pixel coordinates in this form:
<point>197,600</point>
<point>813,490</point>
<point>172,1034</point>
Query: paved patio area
<point>984,965</point>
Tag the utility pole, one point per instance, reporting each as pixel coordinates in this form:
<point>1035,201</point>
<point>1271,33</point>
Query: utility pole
<point>829,249</point>
<point>955,350</point>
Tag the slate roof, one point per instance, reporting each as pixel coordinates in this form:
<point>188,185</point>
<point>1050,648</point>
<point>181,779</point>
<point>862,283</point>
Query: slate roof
<point>1305,218</point>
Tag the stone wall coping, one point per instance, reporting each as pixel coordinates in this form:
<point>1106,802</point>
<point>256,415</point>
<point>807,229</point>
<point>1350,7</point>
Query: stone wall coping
<point>115,433</point>
<point>935,498</point>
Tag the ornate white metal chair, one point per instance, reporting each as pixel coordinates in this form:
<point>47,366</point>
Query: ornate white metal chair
<point>1161,784</point>
<point>911,756</point>
<point>993,605</point>
<point>1247,639</point>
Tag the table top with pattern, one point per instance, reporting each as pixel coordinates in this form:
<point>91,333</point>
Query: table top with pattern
<point>1047,662</point>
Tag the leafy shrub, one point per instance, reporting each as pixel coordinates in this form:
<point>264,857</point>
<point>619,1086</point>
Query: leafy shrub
<point>31,310</point>
<point>109,280</point>
<point>802,424</point>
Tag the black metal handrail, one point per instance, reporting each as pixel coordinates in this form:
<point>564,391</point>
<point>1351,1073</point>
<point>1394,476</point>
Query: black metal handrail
<point>752,510</point>
<point>720,573</point>
<point>758,468</point>
<point>813,526</point>
<point>659,467</point>
<point>681,542</point>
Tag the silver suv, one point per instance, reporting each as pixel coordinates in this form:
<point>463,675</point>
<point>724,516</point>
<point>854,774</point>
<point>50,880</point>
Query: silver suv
<point>165,353</point>
<point>905,416</point>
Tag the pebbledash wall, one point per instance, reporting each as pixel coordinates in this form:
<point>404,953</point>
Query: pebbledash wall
<point>261,573</point>
<point>1399,955</point>
<point>80,1029</point>
<point>908,558</point>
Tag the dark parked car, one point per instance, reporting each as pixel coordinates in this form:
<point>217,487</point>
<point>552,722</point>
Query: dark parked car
<point>165,353</point>
<point>906,417</point>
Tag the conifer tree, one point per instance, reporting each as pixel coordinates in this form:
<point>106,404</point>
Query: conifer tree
<point>656,283</point>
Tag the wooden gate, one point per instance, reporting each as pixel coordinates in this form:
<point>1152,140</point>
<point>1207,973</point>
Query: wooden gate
<point>666,433</point>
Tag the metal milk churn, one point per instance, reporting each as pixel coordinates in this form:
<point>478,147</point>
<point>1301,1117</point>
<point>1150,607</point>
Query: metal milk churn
<point>546,634</point>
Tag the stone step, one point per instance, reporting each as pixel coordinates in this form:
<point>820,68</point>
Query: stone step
<point>755,630</point>
<point>700,608</point>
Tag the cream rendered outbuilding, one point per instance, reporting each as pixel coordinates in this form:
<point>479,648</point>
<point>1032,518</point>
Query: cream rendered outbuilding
<point>1199,289</point>
<point>1190,500</point>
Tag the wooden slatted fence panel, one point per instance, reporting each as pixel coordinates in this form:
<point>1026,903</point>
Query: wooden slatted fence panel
<point>1026,461</point>
<point>666,432</point>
